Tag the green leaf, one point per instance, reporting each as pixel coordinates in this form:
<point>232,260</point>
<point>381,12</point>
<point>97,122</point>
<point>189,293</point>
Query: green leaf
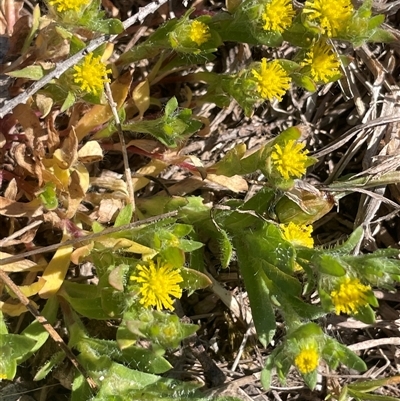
<point>272,360</point>
<point>35,331</point>
<point>143,359</point>
<point>333,352</point>
<point>171,106</point>
<point>304,81</point>
<point>226,247</point>
<point>85,299</point>
<point>351,243</point>
<point>187,245</point>
<point>49,196</point>
<point>329,264</point>
<point>80,389</point>
<point>375,21</point>
<point>256,284</point>
<point>307,330</point>
<point>34,72</point>
<point>124,216</point>
<point>311,379</point>
<point>369,385</point>
<point>298,35</point>
<point>54,360</point>
<point>380,35</point>
<point>365,314</point>
<point>370,397</point>
<point>68,102</point>
<point>194,280</point>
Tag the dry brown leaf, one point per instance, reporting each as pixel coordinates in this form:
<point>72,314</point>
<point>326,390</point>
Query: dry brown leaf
<point>19,209</point>
<point>151,169</point>
<point>44,104</point>
<point>147,145</point>
<point>25,238</point>
<point>90,152</point>
<point>67,155</point>
<point>24,161</point>
<point>30,122</point>
<point>12,190</point>
<point>20,265</point>
<point>53,137</point>
<point>107,209</point>
<point>9,15</point>
<point>235,183</point>
<point>109,182</point>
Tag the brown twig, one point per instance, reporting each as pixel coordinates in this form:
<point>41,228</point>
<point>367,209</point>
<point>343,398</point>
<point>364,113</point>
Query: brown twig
<point>127,170</point>
<point>89,237</point>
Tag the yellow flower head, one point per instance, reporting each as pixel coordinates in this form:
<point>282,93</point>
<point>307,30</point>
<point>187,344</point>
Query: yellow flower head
<point>3,376</point>
<point>69,5</point>
<point>272,80</point>
<point>323,62</point>
<point>350,296</point>
<point>91,74</point>
<point>278,15</point>
<point>290,160</point>
<point>199,32</point>
<point>157,284</point>
<point>333,16</point>
<point>307,360</point>
<point>298,234</point>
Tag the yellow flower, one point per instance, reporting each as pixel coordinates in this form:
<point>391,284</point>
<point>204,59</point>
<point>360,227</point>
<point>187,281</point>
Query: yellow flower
<point>68,5</point>
<point>3,376</point>
<point>272,80</point>
<point>157,284</point>
<point>350,296</point>
<point>290,160</point>
<point>332,16</point>
<point>307,360</point>
<point>199,32</point>
<point>323,62</point>
<point>298,234</point>
<point>278,15</point>
<point>91,74</point>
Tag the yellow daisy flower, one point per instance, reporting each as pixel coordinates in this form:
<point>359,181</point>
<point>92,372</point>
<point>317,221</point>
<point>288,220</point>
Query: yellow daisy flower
<point>298,234</point>
<point>272,80</point>
<point>199,32</point>
<point>157,284</point>
<point>91,74</point>
<point>68,5</point>
<point>332,16</point>
<point>290,160</point>
<point>307,360</point>
<point>349,296</point>
<point>323,62</point>
<point>278,15</point>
